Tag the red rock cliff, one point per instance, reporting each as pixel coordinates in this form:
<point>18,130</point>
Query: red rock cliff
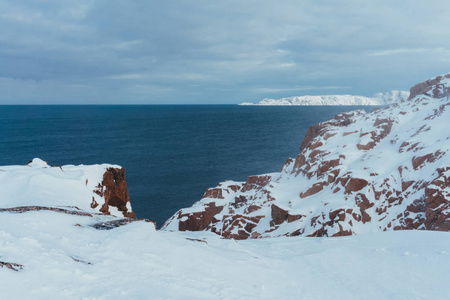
<point>114,190</point>
<point>358,172</point>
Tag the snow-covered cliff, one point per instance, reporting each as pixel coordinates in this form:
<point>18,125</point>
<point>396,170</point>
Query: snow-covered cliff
<point>358,172</point>
<point>377,99</point>
<point>91,189</point>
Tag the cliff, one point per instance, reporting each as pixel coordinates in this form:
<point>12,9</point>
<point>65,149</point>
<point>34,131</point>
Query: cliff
<point>91,189</point>
<point>358,172</point>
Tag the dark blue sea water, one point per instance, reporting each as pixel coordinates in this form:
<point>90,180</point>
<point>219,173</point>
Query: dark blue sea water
<point>171,153</point>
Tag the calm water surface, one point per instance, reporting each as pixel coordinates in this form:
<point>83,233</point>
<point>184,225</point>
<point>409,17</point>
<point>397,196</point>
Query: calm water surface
<point>171,153</point>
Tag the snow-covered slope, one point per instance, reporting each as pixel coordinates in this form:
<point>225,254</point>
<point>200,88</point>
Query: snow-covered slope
<point>377,99</point>
<point>93,189</point>
<point>60,256</point>
<point>358,172</point>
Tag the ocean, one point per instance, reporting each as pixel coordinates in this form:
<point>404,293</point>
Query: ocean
<point>171,153</point>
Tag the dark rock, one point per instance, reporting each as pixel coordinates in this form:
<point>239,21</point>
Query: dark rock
<point>117,223</point>
<point>115,192</point>
<point>215,193</point>
<point>355,184</point>
<point>316,187</point>
<point>311,133</point>
<point>198,221</point>
<point>278,214</point>
<point>12,266</point>
<point>429,88</point>
<point>255,182</point>
<point>23,209</point>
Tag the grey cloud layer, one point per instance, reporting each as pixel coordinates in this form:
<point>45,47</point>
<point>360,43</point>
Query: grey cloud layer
<point>215,51</point>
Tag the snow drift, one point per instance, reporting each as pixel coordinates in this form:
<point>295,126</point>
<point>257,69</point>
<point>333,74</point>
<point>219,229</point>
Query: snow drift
<point>62,256</point>
<point>358,172</point>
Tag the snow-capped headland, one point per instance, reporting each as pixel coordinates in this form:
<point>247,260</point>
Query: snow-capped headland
<point>92,189</point>
<point>377,99</point>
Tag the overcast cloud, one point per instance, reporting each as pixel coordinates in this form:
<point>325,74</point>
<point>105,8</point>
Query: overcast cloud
<point>203,51</point>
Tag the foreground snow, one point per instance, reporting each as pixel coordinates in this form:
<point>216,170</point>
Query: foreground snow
<point>68,252</point>
<point>64,258</point>
<point>376,99</point>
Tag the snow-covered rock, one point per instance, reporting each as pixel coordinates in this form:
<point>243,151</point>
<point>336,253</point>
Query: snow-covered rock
<point>358,172</point>
<point>377,99</point>
<point>91,189</point>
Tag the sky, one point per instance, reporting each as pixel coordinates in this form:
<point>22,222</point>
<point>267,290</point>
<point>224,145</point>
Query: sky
<point>216,52</point>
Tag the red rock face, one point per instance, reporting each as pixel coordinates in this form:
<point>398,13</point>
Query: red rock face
<point>316,187</point>
<point>115,192</point>
<point>355,184</point>
<point>437,203</point>
<point>255,182</point>
<point>431,88</point>
<point>22,209</point>
<point>198,221</point>
<point>357,172</point>
<point>278,215</point>
<point>213,193</point>
<point>241,224</point>
<point>312,132</point>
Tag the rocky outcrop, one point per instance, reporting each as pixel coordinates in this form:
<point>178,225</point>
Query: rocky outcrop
<point>12,266</point>
<point>198,221</point>
<point>312,132</point>
<point>22,209</point>
<point>437,202</point>
<point>82,190</point>
<point>113,189</point>
<point>435,88</point>
<point>358,172</point>
<point>117,223</point>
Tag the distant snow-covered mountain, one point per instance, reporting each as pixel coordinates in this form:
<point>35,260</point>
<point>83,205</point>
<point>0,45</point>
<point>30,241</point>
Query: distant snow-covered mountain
<point>376,99</point>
